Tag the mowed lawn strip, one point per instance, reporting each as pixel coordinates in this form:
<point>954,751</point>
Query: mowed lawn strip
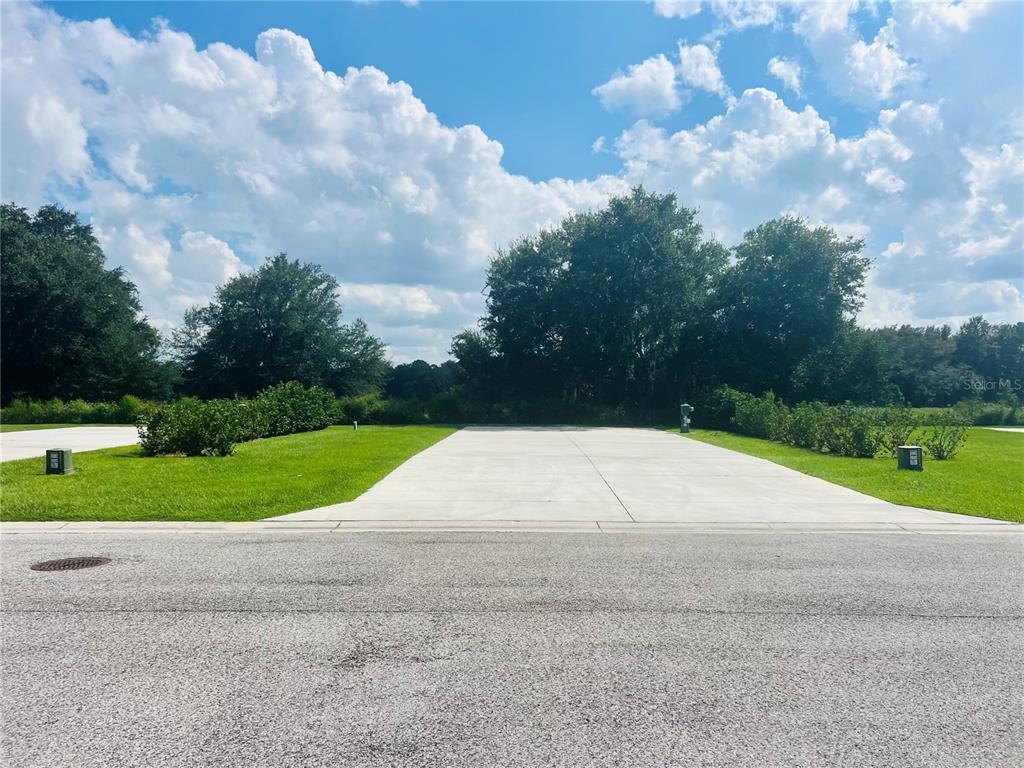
<point>264,478</point>
<point>986,478</point>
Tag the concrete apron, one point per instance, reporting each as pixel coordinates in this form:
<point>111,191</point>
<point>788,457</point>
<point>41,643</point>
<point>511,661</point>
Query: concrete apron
<point>35,442</point>
<point>611,479</point>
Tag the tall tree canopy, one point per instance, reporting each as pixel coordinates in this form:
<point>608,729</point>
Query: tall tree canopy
<point>604,307</point>
<point>421,380</point>
<point>278,323</point>
<point>70,326</point>
<point>630,304</point>
<point>789,294</point>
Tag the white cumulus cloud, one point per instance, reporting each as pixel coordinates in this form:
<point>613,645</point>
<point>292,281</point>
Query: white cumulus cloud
<point>677,9</point>
<point>646,89</point>
<point>698,67</point>
<point>957,211</point>
<point>787,71</point>
<point>195,163</point>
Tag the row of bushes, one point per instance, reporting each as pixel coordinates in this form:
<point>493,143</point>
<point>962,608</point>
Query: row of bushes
<point>127,410</point>
<point>979,414</point>
<point>196,427</point>
<point>842,430</point>
<point>455,408</point>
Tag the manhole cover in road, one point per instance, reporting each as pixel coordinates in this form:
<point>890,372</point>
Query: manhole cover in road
<point>70,564</point>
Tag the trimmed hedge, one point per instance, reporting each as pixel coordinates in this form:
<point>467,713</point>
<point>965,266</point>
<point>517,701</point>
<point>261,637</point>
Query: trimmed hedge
<point>841,430</point>
<point>127,410</point>
<point>194,427</point>
<point>456,408</point>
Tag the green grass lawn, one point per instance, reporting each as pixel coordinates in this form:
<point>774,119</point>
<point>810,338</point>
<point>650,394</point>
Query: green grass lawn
<point>985,479</point>
<point>263,478</point>
<point>26,427</point>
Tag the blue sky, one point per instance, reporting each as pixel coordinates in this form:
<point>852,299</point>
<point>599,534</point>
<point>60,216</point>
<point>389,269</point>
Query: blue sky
<point>200,137</point>
<point>493,65</point>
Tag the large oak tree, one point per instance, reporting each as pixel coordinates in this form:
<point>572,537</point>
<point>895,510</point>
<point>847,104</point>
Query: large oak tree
<point>280,322</point>
<point>70,326</point>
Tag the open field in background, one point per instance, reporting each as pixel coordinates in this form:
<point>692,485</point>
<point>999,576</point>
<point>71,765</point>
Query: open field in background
<point>263,478</point>
<point>986,479</point>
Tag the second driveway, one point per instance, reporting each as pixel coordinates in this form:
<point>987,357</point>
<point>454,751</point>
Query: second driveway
<point>35,442</point>
<point>607,475</point>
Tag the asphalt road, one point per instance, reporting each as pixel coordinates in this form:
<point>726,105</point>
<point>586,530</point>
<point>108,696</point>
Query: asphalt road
<point>273,648</point>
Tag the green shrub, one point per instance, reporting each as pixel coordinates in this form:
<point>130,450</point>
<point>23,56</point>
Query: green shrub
<point>896,427</point>
<point>847,430</point>
<point>780,422</point>
<point>362,408</point>
<point>807,426</point>
<point>454,408</point>
<point>716,409</point>
<point>191,427</point>
<point>290,407</point>
<point>943,440</point>
<point>124,411</point>
<point>252,420</point>
<point>763,416</point>
<point>984,414</point>
<point>403,411</point>
<point>212,427</point>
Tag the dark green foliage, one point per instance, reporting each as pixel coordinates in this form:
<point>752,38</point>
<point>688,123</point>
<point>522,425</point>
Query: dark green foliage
<point>933,366</point>
<point>281,322</point>
<point>983,414</point>
<point>195,427</point>
<point>755,416</point>
<point>842,430</point>
<point>373,409</point>
<point>790,294</point>
<point>807,426</point>
<point>715,409</point>
<point>456,408</point>
<point>850,431</point>
<point>403,411</point>
<point>124,411</point>
<point>363,409</point>
<point>897,425</point>
<point>290,407</point>
<point>944,439</point>
<point>853,367</point>
<point>608,308</point>
<point>420,380</point>
<point>71,327</point>
<point>192,427</point>
<point>629,307</point>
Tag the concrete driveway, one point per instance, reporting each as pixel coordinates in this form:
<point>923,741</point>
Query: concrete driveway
<point>35,442</point>
<point>612,477</point>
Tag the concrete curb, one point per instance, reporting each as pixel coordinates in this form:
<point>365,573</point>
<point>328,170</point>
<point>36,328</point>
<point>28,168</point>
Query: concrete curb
<point>969,527</point>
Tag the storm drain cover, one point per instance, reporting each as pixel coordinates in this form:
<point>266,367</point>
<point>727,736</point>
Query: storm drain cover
<point>70,563</point>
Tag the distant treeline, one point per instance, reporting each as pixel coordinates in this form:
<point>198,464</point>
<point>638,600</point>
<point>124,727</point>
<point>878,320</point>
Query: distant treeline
<point>613,316</point>
<point>631,306</point>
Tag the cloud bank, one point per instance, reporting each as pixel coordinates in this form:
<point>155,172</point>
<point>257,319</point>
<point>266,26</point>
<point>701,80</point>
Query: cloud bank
<point>193,165</point>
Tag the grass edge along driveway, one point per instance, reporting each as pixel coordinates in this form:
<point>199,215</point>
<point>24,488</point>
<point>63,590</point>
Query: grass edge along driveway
<point>986,479</point>
<point>264,478</point>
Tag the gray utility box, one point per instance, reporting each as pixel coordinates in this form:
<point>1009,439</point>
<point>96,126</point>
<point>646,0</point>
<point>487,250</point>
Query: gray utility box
<point>910,457</point>
<point>684,417</point>
<point>58,461</point>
